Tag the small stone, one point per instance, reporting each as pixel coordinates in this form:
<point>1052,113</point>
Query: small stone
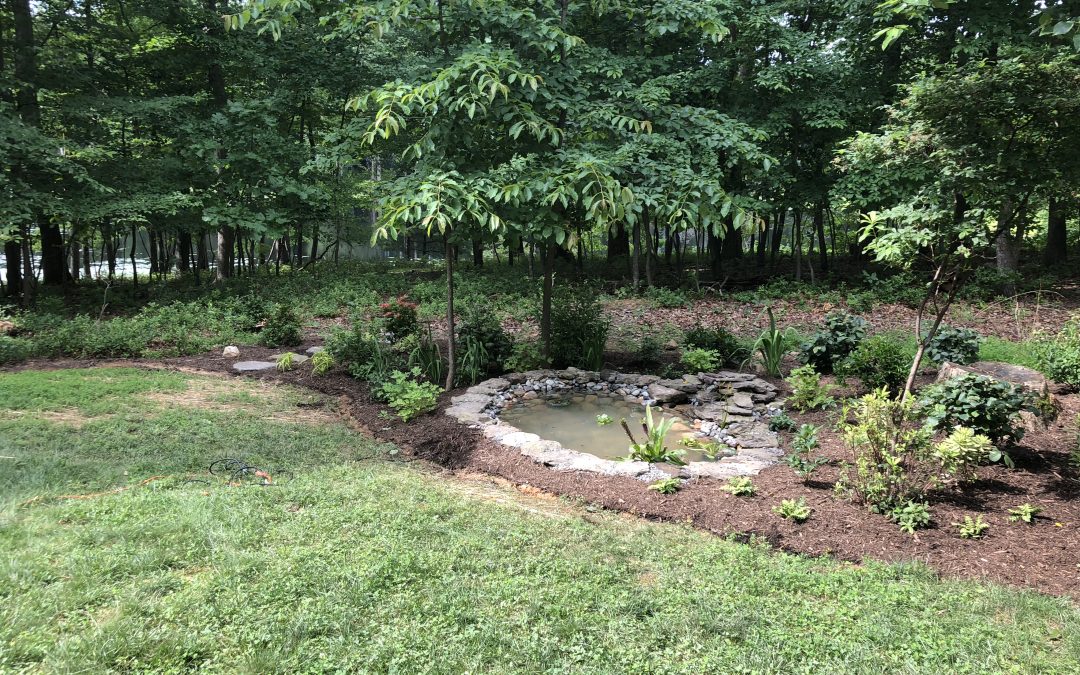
<point>529,395</point>
<point>231,352</point>
<point>312,351</point>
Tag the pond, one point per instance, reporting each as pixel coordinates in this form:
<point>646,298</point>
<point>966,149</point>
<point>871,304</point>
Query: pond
<point>571,421</point>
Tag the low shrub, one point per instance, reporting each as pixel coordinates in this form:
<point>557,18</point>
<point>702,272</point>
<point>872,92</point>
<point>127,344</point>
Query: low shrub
<point>805,440</point>
<point>648,350</point>
<point>321,363</point>
<point>666,297</point>
<point>793,509</point>
<point>13,350</point>
<point>911,516</point>
<point>728,347</point>
<point>701,360</point>
<point>281,328</point>
<point>483,345</point>
<point>399,317</point>
<point>525,355</point>
<point>960,452</point>
<point>972,528</point>
<point>579,329</point>
<point>894,460</point>
<point>781,422</point>
<point>984,405</point>
<point>959,345</point>
<point>808,391</point>
<point>408,396</point>
<point>666,486</point>
<point>363,352</point>
<point>878,362</point>
<point>840,336</point>
<point>426,354</point>
<point>740,486</point>
<point>1058,356</point>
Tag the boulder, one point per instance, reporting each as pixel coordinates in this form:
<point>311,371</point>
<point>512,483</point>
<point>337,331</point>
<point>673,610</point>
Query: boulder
<point>1025,378</point>
<point>662,394</point>
<point>231,352</point>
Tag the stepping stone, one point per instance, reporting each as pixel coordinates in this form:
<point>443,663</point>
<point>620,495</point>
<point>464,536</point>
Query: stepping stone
<point>297,359</point>
<point>312,351</point>
<point>253,366</point>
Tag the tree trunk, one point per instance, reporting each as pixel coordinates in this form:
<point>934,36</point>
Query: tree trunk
<point>1008,246</point>
<point>762,240</point>
<point>819,228</point>
<point>226,242</point>
<point>202,256</point>
<point>545,304</point>
<point>13,260</point>
<point>1056,234</point>
<point>618,242</point>
<point>76,264</point>
<point>451,351</point>
<point>650,247</point>
<point>185,251</point>
<point>477,253</point>
<point>215,76</point>
<point>732,245</point>
<point>636,263</point>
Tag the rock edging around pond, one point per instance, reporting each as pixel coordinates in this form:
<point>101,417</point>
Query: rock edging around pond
<point>731,407</point>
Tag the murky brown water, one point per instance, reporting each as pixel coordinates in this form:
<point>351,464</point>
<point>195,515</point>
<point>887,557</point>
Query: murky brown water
<point>574,425</point>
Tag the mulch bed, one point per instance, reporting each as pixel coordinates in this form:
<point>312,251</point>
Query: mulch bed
<point>1044,556</point>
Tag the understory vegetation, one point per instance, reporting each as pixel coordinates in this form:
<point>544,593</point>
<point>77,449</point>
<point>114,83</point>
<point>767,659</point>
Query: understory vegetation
<point>152,563</point>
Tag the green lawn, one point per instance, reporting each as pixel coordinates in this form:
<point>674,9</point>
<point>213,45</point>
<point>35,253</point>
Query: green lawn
<point>364,564</point>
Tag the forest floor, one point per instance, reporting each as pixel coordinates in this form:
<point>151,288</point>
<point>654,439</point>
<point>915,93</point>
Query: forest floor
<point>121,552</point>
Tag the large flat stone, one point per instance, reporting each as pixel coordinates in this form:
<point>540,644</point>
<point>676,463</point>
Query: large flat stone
<point>1025,378</point>
<point>253,366</point>
<point>662,394</point>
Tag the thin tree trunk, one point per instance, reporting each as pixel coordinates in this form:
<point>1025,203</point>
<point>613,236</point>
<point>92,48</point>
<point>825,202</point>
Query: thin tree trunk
<point>819,228</point>
<point>636,263</point>
<point>477,253</point>
<point>451,351</point>
<point>545,305</point>
<point>13,259</point>
<point>650,247</point>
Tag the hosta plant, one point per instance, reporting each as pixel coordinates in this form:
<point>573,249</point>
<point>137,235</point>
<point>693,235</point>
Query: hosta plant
<point>740,486</point>
<point>666,486</point>
<point>793,509</point>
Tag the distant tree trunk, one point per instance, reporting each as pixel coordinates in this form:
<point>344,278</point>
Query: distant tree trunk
<point>134,248</point>
<point>76,264</point>
<point>732,247</point>
<point>202,256</point>
<point>477,253</point>
<point>819,228</point>
<point>716,247</point>
<point>53,255</point>
<point>184,240</point>
<point>451,329</point>
<point>796,245</point>
<point>618,242</point>
<point>667,244</point>
<point>777,236</point>
<point>155,264</point>
<point>226,244</point>
<point>762,240</point>
<point>650,247</point>
<point>636,263</point>
<point>13,261</point>
<point>1008,243</point>
<point>1056,234</point>
<point>314,242</point>
<point>86,259</point>
<point>410,248</point>
<point>545,304</point>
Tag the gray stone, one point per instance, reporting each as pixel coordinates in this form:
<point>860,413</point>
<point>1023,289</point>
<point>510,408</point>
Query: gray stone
<point>692,380</point>
<point>529,395</point>
<point>742,400</point>
<point>680,385</point>
<point>253,366</point>
<point>664,394</point>
<point>1024,378</point>
<point>297,359</point>
<point>645,380</point>
<point>231,352</point>
<point>312,351</point>
<point>515,378</point>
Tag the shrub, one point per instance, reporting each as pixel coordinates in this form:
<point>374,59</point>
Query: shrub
<point>728,347</point>
<point>806,439</point>
<point>891,452</point>
<point>740,486</point>
<point>578,330</point>
<point>363,352</point>
<point>286,362</point>
<point>701,360</point>
<point>808,392</point>
<point>961,452</point>
<point>399,317</point>
<point>666,297</point>
<point>479,326</point>
<point>321,363</point>
<point>425,354</point>
<point>781,422</point>
<point>1058,356</point>
<point>407,396</point>
<point>666,486</point>
<point>648,351</point>
<point>879,362</point>
<point>13,350</point>
<point>972,529</point>
<point>911,516</point>
<point>793,509</point>
<point>525,355</point>
<point>840,337</point>
<point>983,404</point>
<point>281,328</point>
<point>959,345</point>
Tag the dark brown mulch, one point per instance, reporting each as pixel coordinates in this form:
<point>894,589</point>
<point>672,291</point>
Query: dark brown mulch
<point>1043,556</point>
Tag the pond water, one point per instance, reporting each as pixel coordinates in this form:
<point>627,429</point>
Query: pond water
<point>571,421</point>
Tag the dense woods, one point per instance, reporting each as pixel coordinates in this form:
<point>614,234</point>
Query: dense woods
<point>217,138</point>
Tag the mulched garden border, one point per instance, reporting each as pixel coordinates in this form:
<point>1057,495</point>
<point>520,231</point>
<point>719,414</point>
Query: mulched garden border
<point>1044,556</point>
